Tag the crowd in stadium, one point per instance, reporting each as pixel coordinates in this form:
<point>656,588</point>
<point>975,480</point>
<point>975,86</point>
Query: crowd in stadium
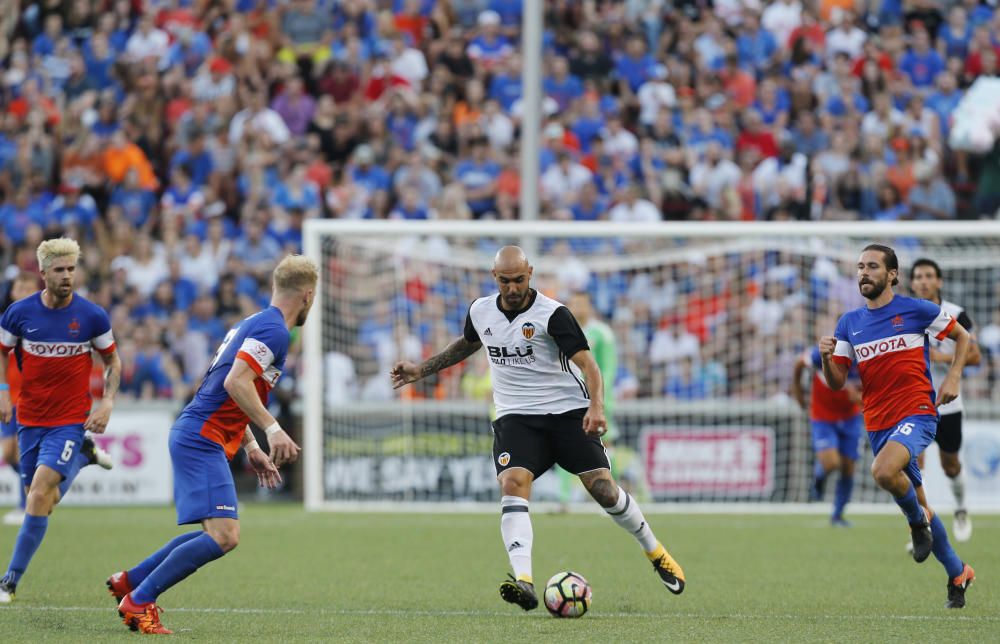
<point>184,142</point>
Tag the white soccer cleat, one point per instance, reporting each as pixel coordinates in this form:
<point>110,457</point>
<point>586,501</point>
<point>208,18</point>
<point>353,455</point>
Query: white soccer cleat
<point>15,517</point>
<point>6,593</point>
<point>95,455</point>
<point>962,527</point>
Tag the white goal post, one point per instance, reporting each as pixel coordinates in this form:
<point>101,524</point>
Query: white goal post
<point>709,318</point>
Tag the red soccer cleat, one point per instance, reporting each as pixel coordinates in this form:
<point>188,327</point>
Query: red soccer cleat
<point>118,586</point>
<point>144,618</point>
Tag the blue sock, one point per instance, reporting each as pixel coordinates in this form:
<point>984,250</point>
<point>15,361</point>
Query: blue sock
<point>943,550</point>
<point>28,539</point>
<point>842,495</point>
<point>80,462</point>
<point>23,500</point>
<point>819,481</point>
<point>911,508</point>
<point>138,574</point>
<point>181,562</point>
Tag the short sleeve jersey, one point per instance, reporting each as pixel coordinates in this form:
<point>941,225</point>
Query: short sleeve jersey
<point>890,346</point>
<point>829,405</point>
<point>261,341</point>
<point>54,349</point>
<point>529,353</point>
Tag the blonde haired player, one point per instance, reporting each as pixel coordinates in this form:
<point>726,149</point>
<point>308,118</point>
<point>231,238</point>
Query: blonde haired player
<point>207,434</point>
<point>54,331</point>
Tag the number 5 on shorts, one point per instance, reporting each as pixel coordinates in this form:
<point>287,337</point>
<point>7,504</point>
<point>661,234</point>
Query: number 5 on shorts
<point>904,429</point>
<point>67,452</point>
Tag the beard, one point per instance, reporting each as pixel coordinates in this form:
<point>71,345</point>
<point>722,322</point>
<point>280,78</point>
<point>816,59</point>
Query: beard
<point>877,289</point>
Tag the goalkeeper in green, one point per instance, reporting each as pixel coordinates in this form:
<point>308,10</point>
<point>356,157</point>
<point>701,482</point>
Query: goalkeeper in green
<point>604,348</point>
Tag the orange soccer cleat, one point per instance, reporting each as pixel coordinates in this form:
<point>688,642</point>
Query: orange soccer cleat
<point>119,586</point>
<point>144,618</point>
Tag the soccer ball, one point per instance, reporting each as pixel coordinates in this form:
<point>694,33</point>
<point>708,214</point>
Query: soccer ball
<point>567,595</point>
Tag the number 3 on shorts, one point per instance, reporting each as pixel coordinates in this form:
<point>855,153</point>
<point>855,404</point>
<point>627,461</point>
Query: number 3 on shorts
<point>67,452</point>
<point>904,429</point>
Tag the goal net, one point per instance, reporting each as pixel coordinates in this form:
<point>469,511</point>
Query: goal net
<point>709,321</point>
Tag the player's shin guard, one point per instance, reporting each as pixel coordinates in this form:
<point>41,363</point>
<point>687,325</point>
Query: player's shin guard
<point>958,489</point>
<point>627,514</point>
<point>181,562</point>
<point>138,574</point>
<point>819,481</point>
<point>29,537</point>
<point>911,507</point>
<point>943,551</point>
<point>842,495</point>
<point>515,528</point>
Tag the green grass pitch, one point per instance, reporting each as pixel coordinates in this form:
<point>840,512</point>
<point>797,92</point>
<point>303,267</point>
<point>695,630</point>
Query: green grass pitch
<point>434,578</point>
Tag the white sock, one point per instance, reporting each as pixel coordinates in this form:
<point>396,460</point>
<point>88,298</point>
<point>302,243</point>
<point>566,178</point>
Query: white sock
<point>515,528</point>
<point>958,489</point>
<point>627,514</point>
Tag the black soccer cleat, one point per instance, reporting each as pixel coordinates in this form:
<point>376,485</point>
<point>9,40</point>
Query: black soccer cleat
<point>958,586</point>
<point>522,593</point>
<point>923,540</point>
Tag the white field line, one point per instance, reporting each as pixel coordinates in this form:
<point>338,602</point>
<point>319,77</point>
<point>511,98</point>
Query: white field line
<point>402,612</point>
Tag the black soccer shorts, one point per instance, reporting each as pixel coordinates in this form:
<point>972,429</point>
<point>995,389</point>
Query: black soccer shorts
<point>949,433</point>
<point>537,442</point>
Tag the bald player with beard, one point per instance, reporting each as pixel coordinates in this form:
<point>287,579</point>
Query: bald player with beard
<point>549,400</point>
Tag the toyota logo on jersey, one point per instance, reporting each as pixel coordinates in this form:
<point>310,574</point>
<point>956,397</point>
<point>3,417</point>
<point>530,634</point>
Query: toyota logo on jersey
<point>528,330</point>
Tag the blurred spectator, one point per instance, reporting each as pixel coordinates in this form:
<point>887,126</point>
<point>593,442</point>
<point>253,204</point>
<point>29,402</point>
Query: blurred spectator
<point>630,208</point>
<point>190,144</point>
<point>931,198</point>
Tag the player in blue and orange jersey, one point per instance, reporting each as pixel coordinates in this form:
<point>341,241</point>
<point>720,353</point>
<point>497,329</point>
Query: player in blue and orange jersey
<point>55,331</point>
<point>837,424</point>
<point>209,431</point>
<point>888,339</point>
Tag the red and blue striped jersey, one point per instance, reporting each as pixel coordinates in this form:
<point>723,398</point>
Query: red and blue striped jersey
<point>55,357</point>
<point>890,346</point>
<point>261,341</point>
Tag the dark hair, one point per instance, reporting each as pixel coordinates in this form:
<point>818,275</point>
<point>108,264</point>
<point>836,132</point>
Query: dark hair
<point>923,261</point>
<point>889,256</point>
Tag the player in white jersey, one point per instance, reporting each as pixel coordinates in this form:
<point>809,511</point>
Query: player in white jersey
<point>550,410</point>
<point>926,282</point>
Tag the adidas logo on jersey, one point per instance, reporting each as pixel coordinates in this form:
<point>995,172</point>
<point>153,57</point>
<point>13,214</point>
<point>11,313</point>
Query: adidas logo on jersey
<point>487,331</point>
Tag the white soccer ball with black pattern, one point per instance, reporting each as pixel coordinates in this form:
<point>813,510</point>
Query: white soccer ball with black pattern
<point>567,594</point>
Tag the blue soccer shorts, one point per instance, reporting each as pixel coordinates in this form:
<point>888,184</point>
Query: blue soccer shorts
<point>842,435</point>
<point>54,447</point>
<point>203,483</point>
<point>914,433</point>
<point>9,430</point>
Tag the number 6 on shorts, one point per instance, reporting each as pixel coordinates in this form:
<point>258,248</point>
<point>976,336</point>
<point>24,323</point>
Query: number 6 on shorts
<point>67,452</point>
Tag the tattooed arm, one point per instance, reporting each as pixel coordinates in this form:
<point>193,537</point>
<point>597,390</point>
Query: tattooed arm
<point>97,422</point>
<point>405,372</point>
